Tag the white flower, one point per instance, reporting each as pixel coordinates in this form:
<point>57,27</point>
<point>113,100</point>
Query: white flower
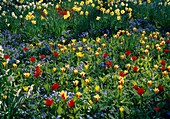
<point>17,94</point>
<point>11,79</point>
<point>3,13</point>
<point>0,102</point>
<point>0,8</point>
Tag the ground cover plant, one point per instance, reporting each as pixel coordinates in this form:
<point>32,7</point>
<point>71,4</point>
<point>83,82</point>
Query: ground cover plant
<point>84,59</point>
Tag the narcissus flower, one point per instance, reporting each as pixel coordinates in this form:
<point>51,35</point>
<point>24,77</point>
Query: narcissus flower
<point>67,15</point>
<point>75,82</point>
<point>98,18</point>
<point>90,102</point>
<point>96,97</point>
<point>83,74</point>
<point>87,81</point>
<point>25,88</point>
<point>79,54</point>
<point>14,65</point>
<point>149,83</point>
<point>120,87</point>
<point>48,102</point>
<point>26,75</point>
<point>121,109</point>
<point>78,94</point>
<point>140,91</point>
<point>63,95</point>
<point>156,90</point>
<point>71,103</point>
<point>55,86</point>
<point>165,73</point>
<point>54,69</point>
<point>97,88</point>
<point>75,71</point>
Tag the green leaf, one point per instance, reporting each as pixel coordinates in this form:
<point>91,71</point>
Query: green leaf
<point>59,110</point>
<point>46,86</point>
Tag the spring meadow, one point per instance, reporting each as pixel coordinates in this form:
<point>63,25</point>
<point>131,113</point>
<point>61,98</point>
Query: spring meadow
<point>85,59</point>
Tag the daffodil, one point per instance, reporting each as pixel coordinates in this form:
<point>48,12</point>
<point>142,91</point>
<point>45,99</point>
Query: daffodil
<point>98,18</point>
<point>96,97</point>
<point>25,88</point>
<point>97,88</point>
<point>26,75</point>
<point>67,15</point>
<point>79,54</point>
<point>121,109</point>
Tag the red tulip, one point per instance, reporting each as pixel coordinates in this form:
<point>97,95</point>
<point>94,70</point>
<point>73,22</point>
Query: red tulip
<point>156,109</point>
<point>58,9</point>
<point>122,74</point>
<point>163,62</point>
<point>71,103</point>
<point>42,56</point>
<point>162,68</point>
<point>6,56</point>
<point>105,55</point>
<point>140,91</point>
<point>32,59</point>
<point>55,54</point>
<point>48,102</point>
<point>135,87</point>
<point>55,86</point>
<point>63,13</point>
<point>143,57</point>
<point>166,50</point>
<point>160,88</point>
<point>25,48</point>
<point>134,58</point>
<point>128,52</point>
<point>109,63</point>
<point>167,41</point>
<point>135,69</point>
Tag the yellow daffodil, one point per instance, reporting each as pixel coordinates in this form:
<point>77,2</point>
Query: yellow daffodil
<point>78,94</point>
<point>90,102</point>
<point>63,95</point>
<point>82,74</point>
<point>75,71</point>
<point>54,69</point>
<point>97,88</point>
<point>98,18</point>
<point>75,82</point>
<point>79,54</point>
<point>4,63</point>
<point>121,109</point>
<point>67,15</point>
<point>96,97</point>
<point>33,21</point>
<point>25,88</point>
<point>26,75</point>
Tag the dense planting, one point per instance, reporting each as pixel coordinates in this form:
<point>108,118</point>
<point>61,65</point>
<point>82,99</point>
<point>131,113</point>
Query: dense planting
<point>84,59</point>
